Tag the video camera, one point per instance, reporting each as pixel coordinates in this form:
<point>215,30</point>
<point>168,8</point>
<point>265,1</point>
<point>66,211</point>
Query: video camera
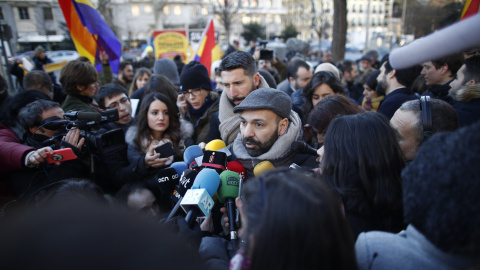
<point>87,122</point>
<point>265,54</point>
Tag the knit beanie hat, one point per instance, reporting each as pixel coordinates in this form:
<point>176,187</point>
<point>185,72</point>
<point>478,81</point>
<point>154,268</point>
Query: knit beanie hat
<point>266,98</point>
<point>167,68</point>
<point>195,75</point>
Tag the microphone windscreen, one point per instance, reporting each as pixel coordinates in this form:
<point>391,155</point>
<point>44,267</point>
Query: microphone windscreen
<point>453,39</point>
<point>229,185</point>
<point>89,116</point>
<point>214,160</point>
<point>191,153</point>
<point>303,147</point>
<point>164,181</point>
<point>186,181</point>
<point>207,179</point>
<point>215,145</point>
<point>263,167</point>
<point>179,167</point>
<point>236,166</point>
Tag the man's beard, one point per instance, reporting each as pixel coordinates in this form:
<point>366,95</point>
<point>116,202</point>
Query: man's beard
<point>261,148</point>
<point>381,87</point>
<point>232,100</point>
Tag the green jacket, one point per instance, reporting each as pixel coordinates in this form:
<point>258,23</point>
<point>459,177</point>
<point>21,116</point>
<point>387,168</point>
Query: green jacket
<point>73,103</point>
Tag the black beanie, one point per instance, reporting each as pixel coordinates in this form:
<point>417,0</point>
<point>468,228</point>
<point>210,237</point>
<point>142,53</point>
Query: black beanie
<point>195,75</point>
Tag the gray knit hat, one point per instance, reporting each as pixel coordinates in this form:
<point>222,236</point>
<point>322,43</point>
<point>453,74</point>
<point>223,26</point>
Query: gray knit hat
<point>266,98</point>
<point>167,68</point>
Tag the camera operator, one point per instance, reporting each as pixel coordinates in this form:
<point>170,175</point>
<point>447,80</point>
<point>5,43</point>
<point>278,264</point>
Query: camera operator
<point>32,118</point>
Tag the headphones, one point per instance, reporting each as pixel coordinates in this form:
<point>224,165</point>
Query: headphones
<point>426,108</point>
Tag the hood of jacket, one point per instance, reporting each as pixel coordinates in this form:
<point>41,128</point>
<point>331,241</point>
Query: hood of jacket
<point>467,93</point>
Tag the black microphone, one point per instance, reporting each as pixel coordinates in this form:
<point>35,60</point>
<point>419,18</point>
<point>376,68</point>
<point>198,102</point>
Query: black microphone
<point>214,160</point>
<point>164,181</point>
<point>303,148</point>
<point>185,183</point>
<point>87,116</point>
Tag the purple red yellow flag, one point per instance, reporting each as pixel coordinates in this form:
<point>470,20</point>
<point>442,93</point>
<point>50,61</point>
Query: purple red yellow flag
<point>471,7</point>
<point>90,33</point>
<point>208,51</point>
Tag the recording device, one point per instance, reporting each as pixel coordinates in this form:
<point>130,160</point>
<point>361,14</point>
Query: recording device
<point>215,145</point>
<point>262,167</point>
<point>198,201</point>
<point>227,192</point>
<point>265,54</point>
<point>214,160</point>
<point>164,181</point>
<point>303,148</point>
<point>186,181</point>
<point>190,154</point>
<point>236,166</point>
<point>454,39</point>
<point>60,155</point>
<point>179,166</point>
<point>165,150</point>
<point>102,144</point>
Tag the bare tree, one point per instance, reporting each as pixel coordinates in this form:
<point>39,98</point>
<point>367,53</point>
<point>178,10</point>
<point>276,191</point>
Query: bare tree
<point>320,21</point>
<point>104,7</point>
<point>158,6</point>
<point>225,12</point>
<point>339,29</point>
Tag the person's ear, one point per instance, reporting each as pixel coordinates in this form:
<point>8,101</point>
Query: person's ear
<point>471,82</point>
<point>444,69</point>
<point>391,74</point>
<point>32,129</point>
<point>282,126</point>
<point>256,80</point>
<point>80,88</point>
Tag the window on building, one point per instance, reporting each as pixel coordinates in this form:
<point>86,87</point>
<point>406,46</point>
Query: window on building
<point>1,14</point>
<point>204,11</point>
<point>148,9</point>
<point>23,13</point>
<point>166,10</point>
<point>135,10</point>
<point>177,10</point>
<point>47,13</point>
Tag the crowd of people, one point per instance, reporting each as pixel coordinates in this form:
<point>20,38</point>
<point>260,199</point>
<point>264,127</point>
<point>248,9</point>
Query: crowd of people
<point>335,166</point>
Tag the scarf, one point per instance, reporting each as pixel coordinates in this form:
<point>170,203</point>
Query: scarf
<point>198,113</point>
<point>280,154</point>
<point>371,105</point>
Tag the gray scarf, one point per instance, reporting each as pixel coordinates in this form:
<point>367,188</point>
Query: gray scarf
<point>280,154</point>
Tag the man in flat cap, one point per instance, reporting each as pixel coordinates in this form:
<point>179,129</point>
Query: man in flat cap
<point>268,126</point>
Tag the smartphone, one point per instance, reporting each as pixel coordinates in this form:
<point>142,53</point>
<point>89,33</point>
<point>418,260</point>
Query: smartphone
<point>61,155</point>
<point>165,150</point>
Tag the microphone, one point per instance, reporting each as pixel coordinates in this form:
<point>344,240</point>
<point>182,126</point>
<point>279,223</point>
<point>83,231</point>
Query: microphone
<point>179,167</point>
<point>215,160</point>
<point>190,154</point>
<point>262,167</point>
<point>198,201</point>
<point>185,183</point>
<point>236,166</point>
<point>164,181</point>
<point>227,192</point>
<point>86,116</point>
<point>454,39</point>
<point>215,145</point>
<point>303,148</point>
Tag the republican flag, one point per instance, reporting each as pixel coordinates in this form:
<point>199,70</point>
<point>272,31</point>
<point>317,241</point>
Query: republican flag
<point>208,51</point>
<point>471,8</point>
<point>90,33</point>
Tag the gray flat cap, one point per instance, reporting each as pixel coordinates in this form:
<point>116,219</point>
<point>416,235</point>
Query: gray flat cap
<point>266,98</point>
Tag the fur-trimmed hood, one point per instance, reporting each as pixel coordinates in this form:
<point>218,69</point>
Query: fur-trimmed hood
<point>467,93</point>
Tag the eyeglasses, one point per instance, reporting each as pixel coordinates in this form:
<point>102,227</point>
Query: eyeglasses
<point>195,92</point>
<point>115,105</point>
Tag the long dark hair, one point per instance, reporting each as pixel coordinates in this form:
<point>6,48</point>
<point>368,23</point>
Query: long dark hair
<point>276,208</point>
<point>319,78</point>
<point>143,130</point>
<point>329,108</point>
<point>161,84</point>
<point>362,162</point>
